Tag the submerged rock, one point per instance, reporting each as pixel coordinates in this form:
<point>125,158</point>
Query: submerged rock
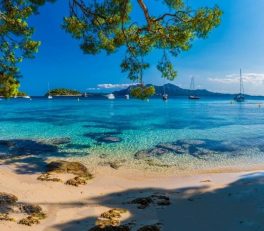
<point>113,164</point>
<point>150,228</point>
<point>20,147</point>
<point>60,141</point>
<point>109,139</point>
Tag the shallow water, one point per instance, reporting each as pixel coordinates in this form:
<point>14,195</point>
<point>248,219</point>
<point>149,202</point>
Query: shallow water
<point>208,133</point>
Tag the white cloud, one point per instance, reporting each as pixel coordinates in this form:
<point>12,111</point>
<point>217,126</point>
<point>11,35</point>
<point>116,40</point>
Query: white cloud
<point>251,78</point>
<point>110,85</point>
<point>93,89</point>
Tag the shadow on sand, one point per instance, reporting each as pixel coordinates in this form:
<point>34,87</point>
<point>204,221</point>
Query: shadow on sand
<point>236,207</point>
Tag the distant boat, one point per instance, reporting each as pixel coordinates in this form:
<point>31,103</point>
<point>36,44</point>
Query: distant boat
<point>49,95</point>
<point>126,96</point>
<point>26,97</point>
<point>85,94</point>
<point>110,96</point>
<point>165,96</point>
<point>192,89</point>
<point>240,97</point>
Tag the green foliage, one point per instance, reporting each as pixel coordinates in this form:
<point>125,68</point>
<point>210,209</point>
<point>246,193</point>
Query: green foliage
<point>63,92</point>
<point>166,68</point>
<point>106,25</point>
<point>142,92</point>
<point>15,41</point>
<point>20,94</point>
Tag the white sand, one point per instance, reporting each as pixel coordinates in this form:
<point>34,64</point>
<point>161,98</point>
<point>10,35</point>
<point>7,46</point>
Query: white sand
<point>224,202</point>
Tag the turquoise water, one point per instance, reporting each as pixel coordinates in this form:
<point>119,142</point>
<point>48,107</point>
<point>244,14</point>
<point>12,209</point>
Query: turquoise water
<point>193,134</point>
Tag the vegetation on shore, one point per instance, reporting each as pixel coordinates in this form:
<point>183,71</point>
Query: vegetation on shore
<point>63,92</point>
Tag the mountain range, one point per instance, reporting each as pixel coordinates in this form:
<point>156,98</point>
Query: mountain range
<point>173,91</point>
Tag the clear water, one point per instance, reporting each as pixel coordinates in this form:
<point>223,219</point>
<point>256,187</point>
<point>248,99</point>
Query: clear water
<point>206,133</point>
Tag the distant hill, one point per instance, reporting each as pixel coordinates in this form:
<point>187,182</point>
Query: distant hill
<point>173,90</point>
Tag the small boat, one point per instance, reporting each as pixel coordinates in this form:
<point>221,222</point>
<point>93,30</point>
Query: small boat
<point>240,97</point>
<point>26,97</point>
<point>110,96</point>
<point>85,95</point>
<point>165,97</point>
<point>126,96</point>
<point>49,95</point>
<point>194,97</point>
<point>192,89</point>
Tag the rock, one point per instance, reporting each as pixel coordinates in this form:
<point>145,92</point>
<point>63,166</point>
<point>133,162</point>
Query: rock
<point>110,220</point>
<point>48,177</point>
<point>30,220</point>
<point>142,202</point>
<point>103,223</point>
<point>150,228</point>
<point>5,217</point>
<point>6,198</point>
<point>76,181</point>
<point>113,213</point>
<point>75,168</point>
<point>113,164</point>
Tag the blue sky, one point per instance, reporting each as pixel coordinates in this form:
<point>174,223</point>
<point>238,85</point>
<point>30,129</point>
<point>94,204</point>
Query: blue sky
<point>214,62</point>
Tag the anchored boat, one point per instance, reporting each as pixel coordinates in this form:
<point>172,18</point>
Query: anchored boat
<point>240,97</point>
<point>192,89</point>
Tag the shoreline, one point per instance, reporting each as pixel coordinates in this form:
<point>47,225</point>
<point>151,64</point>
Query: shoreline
<point>78,208</point>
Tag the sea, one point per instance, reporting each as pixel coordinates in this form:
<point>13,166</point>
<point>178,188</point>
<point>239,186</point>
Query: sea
<point>181,134</point>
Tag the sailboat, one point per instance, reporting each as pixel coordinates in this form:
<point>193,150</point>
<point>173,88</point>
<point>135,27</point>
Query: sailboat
<point>110,96</point>
<point>49,95</point>
<point>240,97</point>
<point>192,88</point>
<point>164,95</point>
<point>127,96</point>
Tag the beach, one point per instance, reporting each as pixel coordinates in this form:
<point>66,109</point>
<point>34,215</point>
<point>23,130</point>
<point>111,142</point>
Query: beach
<point>209,201</point>
<point>121,165</point>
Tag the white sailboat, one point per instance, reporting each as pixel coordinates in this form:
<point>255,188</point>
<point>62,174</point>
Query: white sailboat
<point>49,95</point>
<point>192,88</point>
<point>26,97</point>
<point>240,97</point>
<point>110,96</point>
<point>164,96</point>
<point>127,96</point>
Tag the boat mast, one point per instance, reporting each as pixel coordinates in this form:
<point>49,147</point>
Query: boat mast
<point>192,87</point>
<point>241,83</point>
